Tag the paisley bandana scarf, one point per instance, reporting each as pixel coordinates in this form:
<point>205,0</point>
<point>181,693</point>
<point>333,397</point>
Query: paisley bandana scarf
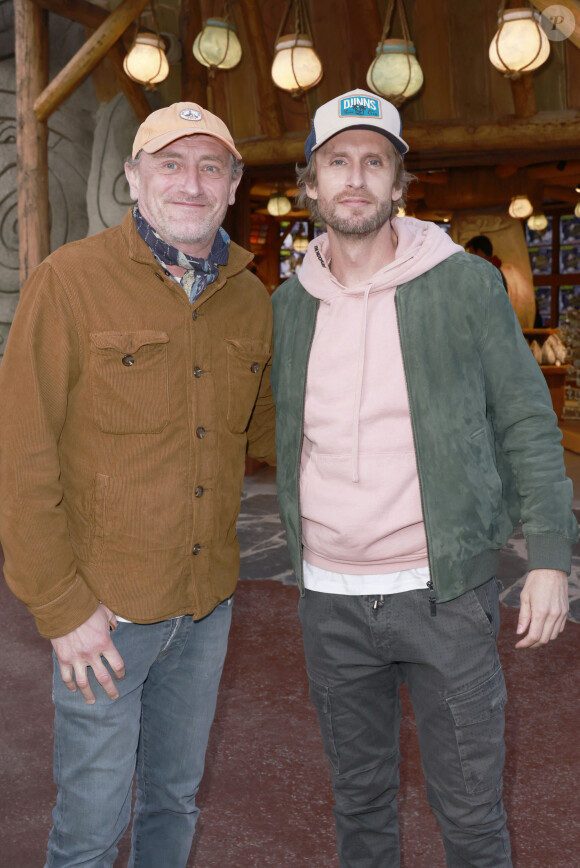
<point>199,272</point>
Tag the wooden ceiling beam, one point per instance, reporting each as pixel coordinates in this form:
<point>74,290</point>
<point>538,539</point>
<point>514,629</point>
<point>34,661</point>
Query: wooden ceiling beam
<point>563,194</point>
<point>80,11</point>
<point>549,132</point>
<point>547,170</point>
<point>92,16</point>
<point>87,57</point>
<point>268,99</point>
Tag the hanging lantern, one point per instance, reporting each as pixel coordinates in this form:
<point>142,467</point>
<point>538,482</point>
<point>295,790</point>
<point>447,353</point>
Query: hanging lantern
<point>217,46</point>
<point>300,244</point>
<point>520,207</point>
<point>520,44</point>
<point>577,210</point>
<point>395,73</point>
<point>279,205</point>
<point>537,222</point>
<point>296,66</point>
<point>146,62</point>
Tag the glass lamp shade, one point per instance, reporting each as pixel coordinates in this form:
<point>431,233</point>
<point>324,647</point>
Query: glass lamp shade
<point>296,66</point>
<point>395,73</point>
<point>300,244</point>
<point>520,45</point>
<point>279,205</point>
<point>520,207</point>
<point>217,44</point>
<point>577,210</point>
<point>537,222</point>
<point>146,61</point>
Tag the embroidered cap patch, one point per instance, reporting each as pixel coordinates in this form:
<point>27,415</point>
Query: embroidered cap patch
<point>189,114</point>
<point>360,107</point>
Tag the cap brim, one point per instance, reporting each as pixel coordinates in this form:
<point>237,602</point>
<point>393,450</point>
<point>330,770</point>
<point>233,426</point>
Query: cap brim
<point>399,144</point>
<point>164,139</point>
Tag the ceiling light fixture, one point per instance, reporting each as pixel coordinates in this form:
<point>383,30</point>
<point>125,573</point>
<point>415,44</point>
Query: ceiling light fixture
<point>537,222</point>
<point>217,45</point>
<point>520,44</point>
<point>395,72</point>
<point>279,205</point>
<point>520,207</point>
<point>296,66</point>
<point>146,62</point>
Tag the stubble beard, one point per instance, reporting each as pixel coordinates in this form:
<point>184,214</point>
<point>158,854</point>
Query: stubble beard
<point>189,232</point>
<point>355,224</point>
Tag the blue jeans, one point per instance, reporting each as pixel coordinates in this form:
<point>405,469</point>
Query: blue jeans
<point>358,654</point>
<point>156,731</point>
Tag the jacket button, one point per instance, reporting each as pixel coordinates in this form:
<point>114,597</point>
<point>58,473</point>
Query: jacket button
<point>197,372</point>
<point>199,491</point>
<point>128,361</point>
<point>255,367</point>
<point>194,314</point>
<point>200,432</point>
<point>196,549</point>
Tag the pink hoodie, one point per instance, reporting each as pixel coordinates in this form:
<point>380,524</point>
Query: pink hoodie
<point>359,490</point>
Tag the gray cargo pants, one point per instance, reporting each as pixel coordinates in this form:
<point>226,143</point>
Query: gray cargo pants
<point>359,650</point>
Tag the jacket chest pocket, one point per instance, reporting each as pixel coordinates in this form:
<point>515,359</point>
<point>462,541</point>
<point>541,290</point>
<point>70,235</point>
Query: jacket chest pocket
<point>129,381</point>
<point>246,361</point>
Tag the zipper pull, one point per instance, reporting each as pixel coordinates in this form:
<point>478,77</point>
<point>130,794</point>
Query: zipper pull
<point>432,598</point>
<point>379,603</point>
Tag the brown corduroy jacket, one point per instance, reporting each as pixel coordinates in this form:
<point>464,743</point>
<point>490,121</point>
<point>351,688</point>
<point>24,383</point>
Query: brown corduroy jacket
<point>125,414</point>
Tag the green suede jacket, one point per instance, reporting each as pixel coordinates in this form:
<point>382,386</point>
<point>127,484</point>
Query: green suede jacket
<point>486,437</point>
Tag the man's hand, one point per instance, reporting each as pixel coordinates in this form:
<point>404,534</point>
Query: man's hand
<point>84,647</point>
<point>544,607</point>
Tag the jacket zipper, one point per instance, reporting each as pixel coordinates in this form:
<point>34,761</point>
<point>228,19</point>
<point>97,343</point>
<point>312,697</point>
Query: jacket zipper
<point>430,584</point>
<point>297,476</point>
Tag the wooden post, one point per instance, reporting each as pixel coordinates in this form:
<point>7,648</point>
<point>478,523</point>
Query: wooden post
<point>87,57</point>
<point>524,96</point>
<point>31,50</point>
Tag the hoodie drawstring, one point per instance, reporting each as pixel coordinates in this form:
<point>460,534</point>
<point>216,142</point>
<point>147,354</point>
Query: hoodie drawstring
<point>358,388</point>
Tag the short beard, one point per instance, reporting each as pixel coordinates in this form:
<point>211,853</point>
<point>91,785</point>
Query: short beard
<point>353,225</point>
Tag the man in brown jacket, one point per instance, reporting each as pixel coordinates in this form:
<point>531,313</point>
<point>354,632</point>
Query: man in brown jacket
<point>135,378</point>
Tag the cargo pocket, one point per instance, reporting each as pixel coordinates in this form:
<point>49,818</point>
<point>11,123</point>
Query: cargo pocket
<point>129,381</point>
<point>478,715</point>
<point>320,698</point>
<point>246,361</point>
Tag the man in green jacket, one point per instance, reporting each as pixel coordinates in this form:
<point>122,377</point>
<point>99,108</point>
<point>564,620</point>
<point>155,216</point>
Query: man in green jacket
<point>414,430</point>
<point>135,378</point>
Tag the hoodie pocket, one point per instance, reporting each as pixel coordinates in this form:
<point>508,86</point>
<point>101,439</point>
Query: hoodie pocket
<point>129,381</point>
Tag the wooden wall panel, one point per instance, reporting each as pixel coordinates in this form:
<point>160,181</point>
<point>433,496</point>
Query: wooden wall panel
<point>550,81</point>
<point>431,37</point>
<point>469,61</point>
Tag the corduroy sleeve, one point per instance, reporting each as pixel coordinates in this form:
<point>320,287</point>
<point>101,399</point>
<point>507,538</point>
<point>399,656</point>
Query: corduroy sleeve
<point>39,366</point>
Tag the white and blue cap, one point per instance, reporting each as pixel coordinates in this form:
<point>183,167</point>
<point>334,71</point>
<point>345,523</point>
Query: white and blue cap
<point>358,110</point>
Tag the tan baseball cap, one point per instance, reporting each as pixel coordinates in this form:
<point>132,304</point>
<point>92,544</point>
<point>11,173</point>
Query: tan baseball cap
<point>166,125</point>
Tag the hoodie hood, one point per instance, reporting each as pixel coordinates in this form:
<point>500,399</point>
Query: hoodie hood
<point>420,247</point>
